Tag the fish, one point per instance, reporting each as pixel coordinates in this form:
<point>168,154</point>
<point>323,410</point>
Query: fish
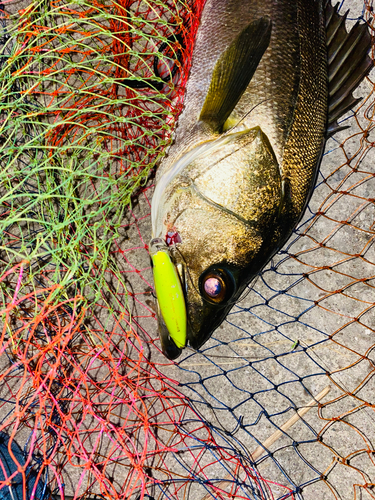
<point>268,83</point>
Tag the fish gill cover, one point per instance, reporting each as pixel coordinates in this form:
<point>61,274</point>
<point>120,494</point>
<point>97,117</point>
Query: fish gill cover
<point>90,93</point>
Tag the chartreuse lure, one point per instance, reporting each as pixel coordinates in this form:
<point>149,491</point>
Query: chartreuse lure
<point>169,292</point>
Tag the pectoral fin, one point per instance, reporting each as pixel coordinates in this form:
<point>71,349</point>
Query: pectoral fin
<point>348,64</point>
<point>233,72</point>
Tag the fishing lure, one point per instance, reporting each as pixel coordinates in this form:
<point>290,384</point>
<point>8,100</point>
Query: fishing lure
<point>168,288</point>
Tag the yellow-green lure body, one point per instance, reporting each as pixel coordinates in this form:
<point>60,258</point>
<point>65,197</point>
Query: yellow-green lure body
<point>169,292</point>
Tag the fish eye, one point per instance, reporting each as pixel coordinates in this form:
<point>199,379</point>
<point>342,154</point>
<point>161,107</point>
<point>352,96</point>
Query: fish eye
<point>216,286</point>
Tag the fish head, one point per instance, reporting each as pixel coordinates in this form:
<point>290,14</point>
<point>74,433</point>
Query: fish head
<point>221,205</point>
<point>211,262</point>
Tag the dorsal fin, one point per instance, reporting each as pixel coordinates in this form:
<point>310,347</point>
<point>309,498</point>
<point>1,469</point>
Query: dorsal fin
<point>233,72</point>
<point>348,63</point>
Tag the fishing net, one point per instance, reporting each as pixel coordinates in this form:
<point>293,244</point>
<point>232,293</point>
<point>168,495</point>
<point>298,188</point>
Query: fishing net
<point>279,403</point>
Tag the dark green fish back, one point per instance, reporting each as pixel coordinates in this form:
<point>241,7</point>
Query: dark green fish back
<point>305,142</point>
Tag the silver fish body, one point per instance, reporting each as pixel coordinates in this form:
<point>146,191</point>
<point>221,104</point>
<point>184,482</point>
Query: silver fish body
<point>246,150</point>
